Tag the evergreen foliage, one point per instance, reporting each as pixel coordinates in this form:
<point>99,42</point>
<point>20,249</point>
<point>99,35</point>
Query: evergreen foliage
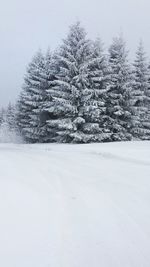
<point>118,94</point>
<point>79,94</point>
<point>31,115</point>
<point>69,86</point>
<point>8,128</point>
<point>141,96</point>
<point>94,107</point>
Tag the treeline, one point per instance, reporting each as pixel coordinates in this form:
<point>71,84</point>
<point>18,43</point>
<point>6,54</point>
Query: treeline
<point>9,131</point>
<point>81,93</point>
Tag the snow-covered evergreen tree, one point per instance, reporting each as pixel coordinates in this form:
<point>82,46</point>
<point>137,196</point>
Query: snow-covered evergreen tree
<point>80,95</point>
<point>2,112</point>
<point>31,118</point>
<point>71,80</point>
<point>10,113</point>
<point>141,96</point>
<point>47,107</point>
<point>118,95</point>
<point>94,104</point>
<point>8,128</point>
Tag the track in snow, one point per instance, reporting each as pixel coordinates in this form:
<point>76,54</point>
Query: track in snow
<point>75,205</point>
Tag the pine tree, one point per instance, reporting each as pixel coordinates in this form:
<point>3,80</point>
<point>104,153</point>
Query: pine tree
<point>71,80</point>
<point>118,95</point>
<point>2,112</point>
<point>31,119</point>
<point>48,106</point>
<point>10,114</point>
<point>8,128</point>
<point>94,104</point>
<point>5,133</point>
<point>141,96</point>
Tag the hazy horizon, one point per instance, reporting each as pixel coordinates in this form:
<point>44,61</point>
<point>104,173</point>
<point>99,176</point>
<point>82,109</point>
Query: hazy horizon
<point>27,26</point>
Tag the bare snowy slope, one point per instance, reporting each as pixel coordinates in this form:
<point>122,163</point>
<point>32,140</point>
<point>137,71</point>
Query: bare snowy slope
<point>75,205</point>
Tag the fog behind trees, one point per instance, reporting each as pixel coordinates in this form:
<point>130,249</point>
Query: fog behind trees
<point>25,26</point>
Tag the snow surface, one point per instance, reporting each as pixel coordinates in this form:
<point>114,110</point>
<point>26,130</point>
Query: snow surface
<point>75,205</point>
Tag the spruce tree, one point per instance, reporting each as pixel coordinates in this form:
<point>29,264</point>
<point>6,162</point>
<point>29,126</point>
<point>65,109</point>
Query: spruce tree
<point>141,96</point>
<point>8,128</point>
<point>2,112</point>
<point>48,107</point>
<point>31,119</point>
<point>71,80</point>
<point>94,104</point>
<point>11,114</point>
<point>119,92</point>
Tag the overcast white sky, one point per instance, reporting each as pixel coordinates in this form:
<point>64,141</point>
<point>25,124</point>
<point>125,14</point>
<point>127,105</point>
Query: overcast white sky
<point>27,25</point>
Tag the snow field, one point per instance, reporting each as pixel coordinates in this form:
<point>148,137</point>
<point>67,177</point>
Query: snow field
<point>75,205</point>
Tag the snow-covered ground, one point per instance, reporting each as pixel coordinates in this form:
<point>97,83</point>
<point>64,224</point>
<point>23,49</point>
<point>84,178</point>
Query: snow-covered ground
<point>75,205</point>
